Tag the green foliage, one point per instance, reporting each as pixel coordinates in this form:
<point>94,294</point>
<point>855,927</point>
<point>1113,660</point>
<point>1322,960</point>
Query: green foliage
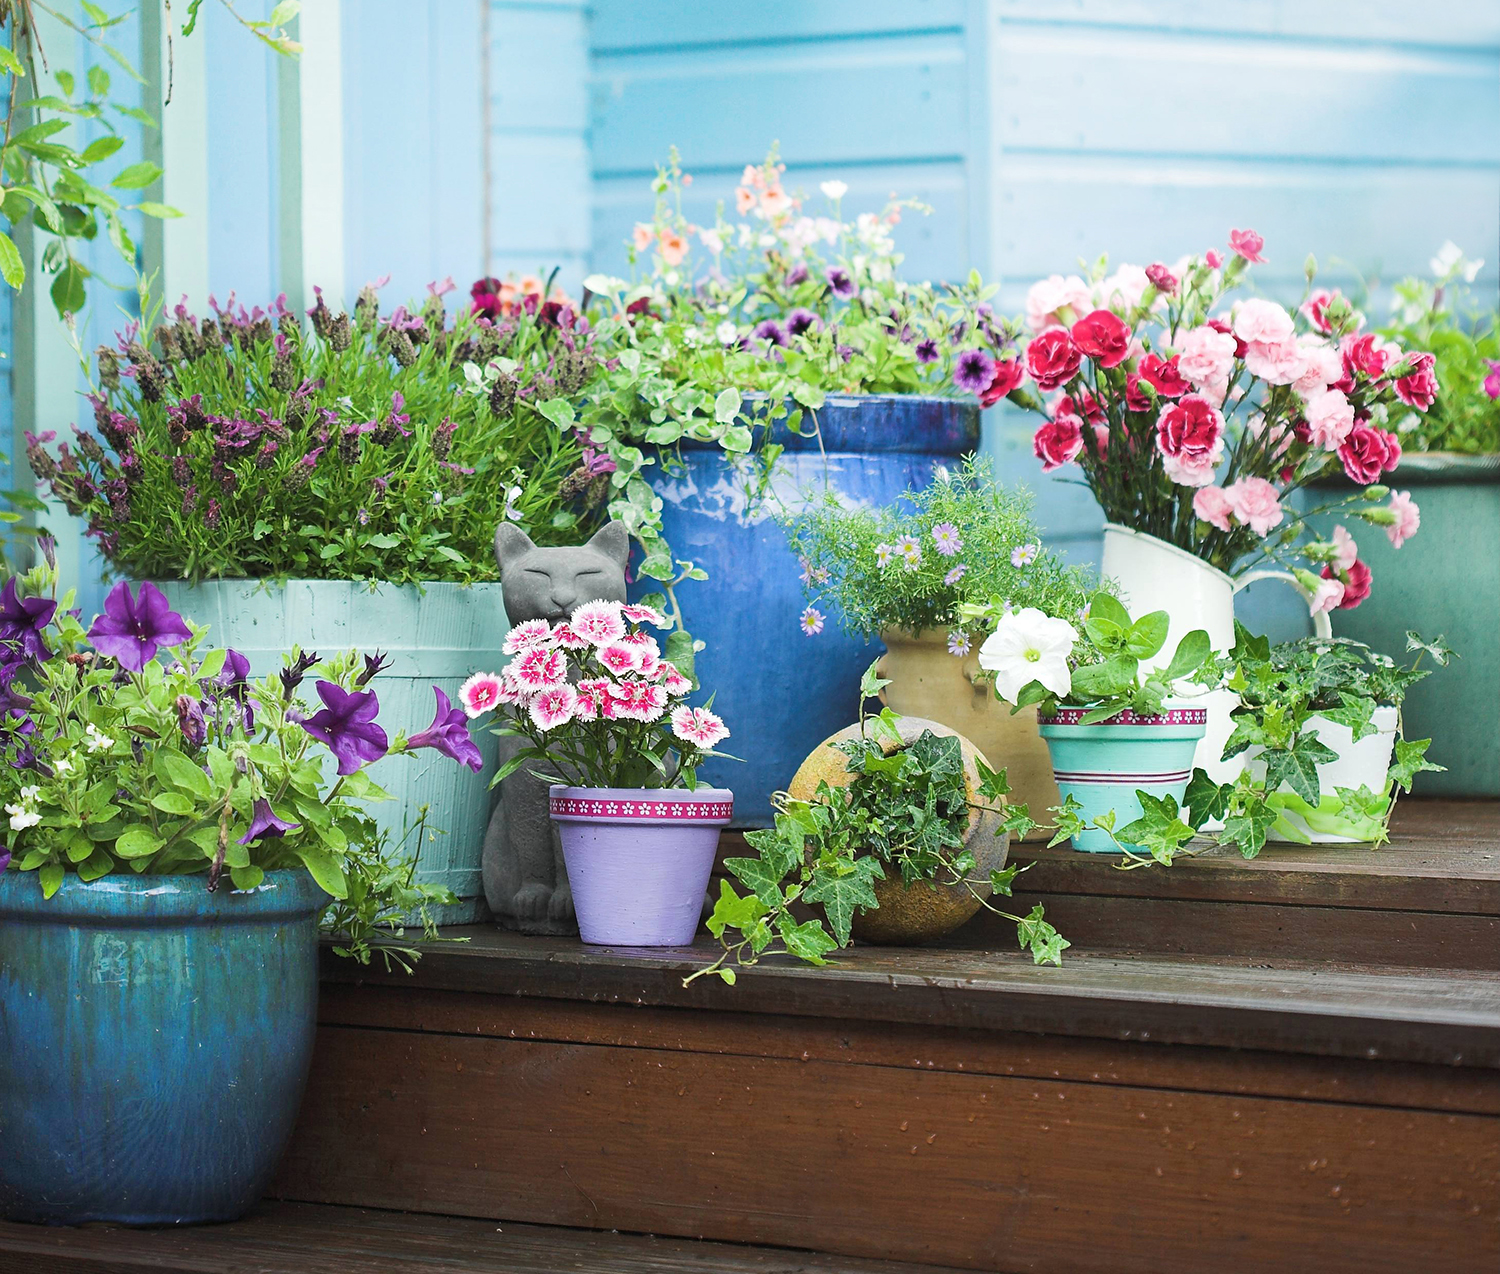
<point>904,812</point>
<point>370,450</point>
<point>851,557</point>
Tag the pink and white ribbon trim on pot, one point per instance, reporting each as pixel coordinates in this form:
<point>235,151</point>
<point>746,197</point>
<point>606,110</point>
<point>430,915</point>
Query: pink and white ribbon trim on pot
<point>648,811</point>
<point>1172,716</point>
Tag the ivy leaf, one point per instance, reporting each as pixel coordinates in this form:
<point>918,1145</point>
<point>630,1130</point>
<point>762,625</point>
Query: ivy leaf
<point>993,784</point>
<point>1354,711</point>
<point>1159,830</point>
<point>1069,820</point>
<point>1037,933</point>
<point>733,912</point>
<point>871,683</point>
<point>1440,651</point>
<point>1247,733</point>
<point>808,941</point>
<point>1411,760</point>
<point>1297,767</point>
<point>1001,881</point>
<point>1247,829</point>
<point>840,892</point>
<point>759,876</point>
<point>1206,799</point>
<point>1017,821</point>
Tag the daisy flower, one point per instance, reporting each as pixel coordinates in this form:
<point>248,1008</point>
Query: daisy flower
<point>958,644</point>
<point>534,632</point>
<point>945,536</point>
<point>698,725</point>
<point>598,622</point>
<point>956,574</point>
<point>480,693</point>
<point>812,621</point>
<point>1023,555</point>
<point>883,554</point>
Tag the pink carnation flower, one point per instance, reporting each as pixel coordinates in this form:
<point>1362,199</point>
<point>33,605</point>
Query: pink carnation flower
<point>533,633</point>
<point>1255,503</point>
<point>1279,363</point>
<point>1206,358</point>
<point>1259,321</point>
<point>537,669</point>
<point>1345,549</point>
<point>1248,244</point>
<point>639,614</point>
<point>1328,595</point>
<point>598,622</point>
<point>566,638</point>
<point>698,726</point>
<point>675,682</point>
<point>1330,418</point>
<point>1408,518</point>
<point>553,707</point>
<point>1047,296</point>
<point>481,693</point>
<point>1213,506</point>
<point>1323,366</point>
<point>620,658</point>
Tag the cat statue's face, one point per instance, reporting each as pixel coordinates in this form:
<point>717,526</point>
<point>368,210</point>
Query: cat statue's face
<point>547,583</point>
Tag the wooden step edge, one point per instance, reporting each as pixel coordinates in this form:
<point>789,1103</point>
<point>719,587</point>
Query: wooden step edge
<point>303,1238</point>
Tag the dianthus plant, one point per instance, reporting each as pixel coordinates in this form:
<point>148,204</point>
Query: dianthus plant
<point>599,702</point>
<point>128,748</point>
<point>1195,419</point>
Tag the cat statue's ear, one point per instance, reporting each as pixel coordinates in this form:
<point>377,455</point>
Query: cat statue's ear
<point>612,541</point>
<point>510,543</point>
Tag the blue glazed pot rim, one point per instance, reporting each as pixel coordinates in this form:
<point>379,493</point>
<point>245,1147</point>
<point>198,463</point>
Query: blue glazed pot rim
<point>870,424</point>
<point>123,898</point>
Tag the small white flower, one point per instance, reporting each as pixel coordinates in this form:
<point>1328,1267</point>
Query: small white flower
<point>22,818</point>
<point>834,189</point>
<point>1029,646</point>
<point>96,741</point>
<point>30,792</point>
<point>726,332</point>
<point>512,507</point>
<point>63,765</point>
<point>1450,262</point>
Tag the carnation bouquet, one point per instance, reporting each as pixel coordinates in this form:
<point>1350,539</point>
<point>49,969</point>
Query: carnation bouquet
<point>1196,419</point>
<point>599,701</point>
<point>128,748</point>
<point>381,447</point>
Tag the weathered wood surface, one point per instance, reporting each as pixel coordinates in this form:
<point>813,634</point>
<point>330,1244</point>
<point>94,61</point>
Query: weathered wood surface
<point>293,1238</point>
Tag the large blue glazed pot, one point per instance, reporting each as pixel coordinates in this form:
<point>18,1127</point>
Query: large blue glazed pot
<point>780,692</point>
<point>154,1044</point>
<point>1105,764</point>
<point>436,635</point>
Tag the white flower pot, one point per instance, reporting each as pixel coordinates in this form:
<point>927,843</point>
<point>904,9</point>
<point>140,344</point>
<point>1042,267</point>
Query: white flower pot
<point>1362,764</point>
<point>1154,575</point>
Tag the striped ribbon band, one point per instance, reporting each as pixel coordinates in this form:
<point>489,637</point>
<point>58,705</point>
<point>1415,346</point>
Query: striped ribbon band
<point>1127,780</point>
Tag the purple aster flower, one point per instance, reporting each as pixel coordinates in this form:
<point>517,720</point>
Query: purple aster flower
<point>802,320</point>
<point>22,620</point>
<point>771,330</point>
<point>927,351</point>
<point>839,281</point>
<point>811,621</point>
<point>956,574</point>
<point>346,724</point>
<point>190,722</point>
<point>945,536</point>
<point>975,371</point>
<point>449,734</point>
<point>133,629</point>
<point>263,822</point>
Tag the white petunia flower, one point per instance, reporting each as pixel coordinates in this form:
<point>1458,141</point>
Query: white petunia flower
<point>834,189</point>
<point>1029,646</point>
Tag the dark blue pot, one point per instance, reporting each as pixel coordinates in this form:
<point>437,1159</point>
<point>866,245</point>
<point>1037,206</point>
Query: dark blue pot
<point>154,1044</point>
<point>782,693</point>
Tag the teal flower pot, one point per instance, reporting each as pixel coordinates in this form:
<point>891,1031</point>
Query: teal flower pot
<point>154,1044</point>
<point>438,636</point>
<point>1102,766</point>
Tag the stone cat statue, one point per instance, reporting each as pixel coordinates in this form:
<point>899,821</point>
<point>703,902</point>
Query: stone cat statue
<point>525,881</point>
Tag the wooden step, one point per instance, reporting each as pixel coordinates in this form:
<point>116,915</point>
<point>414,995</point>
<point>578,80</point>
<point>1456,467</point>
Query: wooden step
<point>293,1238</point>
<point>945,1107</point>
<point>1428,900</point>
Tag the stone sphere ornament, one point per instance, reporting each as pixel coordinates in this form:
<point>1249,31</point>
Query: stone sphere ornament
<point>909,915</point>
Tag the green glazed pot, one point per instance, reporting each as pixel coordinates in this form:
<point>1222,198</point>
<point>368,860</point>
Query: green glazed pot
<point>1443,582</point>
<point>437,636</point>
<point>1102,766</point>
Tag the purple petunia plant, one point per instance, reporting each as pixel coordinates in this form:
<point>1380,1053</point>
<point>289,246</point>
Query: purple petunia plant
<point>128,747</point>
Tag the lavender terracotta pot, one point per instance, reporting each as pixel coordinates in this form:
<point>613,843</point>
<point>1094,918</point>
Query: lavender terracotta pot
<point>639,859</point>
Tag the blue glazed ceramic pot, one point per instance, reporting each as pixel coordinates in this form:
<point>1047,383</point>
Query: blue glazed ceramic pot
<point>1102,766</point>
<point>154,1044</point>
<point>781,692</point>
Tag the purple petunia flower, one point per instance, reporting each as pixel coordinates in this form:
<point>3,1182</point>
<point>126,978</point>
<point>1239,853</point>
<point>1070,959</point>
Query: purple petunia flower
<point>133,629</point>
<point>263,822</point>
<point>797,274</point>
<point>801,320</point>
<point>4,858</point>
<point>346,724</point>
<point>839,281</point>
<point>927,351</point>
<point>771,330</point>
<point>190,722</point>
<point>449,734</point>
<point>22,620</point>
<point>234,681</point>
<point>975,371</point>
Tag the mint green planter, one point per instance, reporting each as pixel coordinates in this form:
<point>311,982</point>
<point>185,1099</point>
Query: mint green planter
<point>1443,582</point>
<point>434,637</point>
<point>1102,766</point>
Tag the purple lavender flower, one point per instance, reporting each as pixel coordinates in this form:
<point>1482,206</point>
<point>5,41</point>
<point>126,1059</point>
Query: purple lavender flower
<point>22,620</point>
<point>190,722</point>
<point>802,320</point>
<point>839,281</point>
<point>449,734</point>
<point>346,724</point>
<point>975,371</point>
<point>927,351</point>
<point>263,822</point>
<point>132,629</point>
<point>772,331</point>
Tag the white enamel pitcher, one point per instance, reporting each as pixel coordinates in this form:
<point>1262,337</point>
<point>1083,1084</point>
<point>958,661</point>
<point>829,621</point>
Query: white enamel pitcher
<point>1154,575</point>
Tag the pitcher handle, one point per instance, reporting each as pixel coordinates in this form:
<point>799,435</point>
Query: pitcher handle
<point>1321,626</point>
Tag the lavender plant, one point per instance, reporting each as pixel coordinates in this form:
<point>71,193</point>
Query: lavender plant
<point>367,447</point>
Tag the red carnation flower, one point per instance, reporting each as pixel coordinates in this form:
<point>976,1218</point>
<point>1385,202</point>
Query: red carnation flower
<point>1367,453</point>
<point>1058,442</point>
<point>1008,376</point>
<point>1135,400</point>
<point>1162,279</point>
<point>1363,354</point>
<point>1418,388</point>
<point>1052,358</point>
<point>1162,375</point>
<point>1104,336</point>
<point>1356,581</point>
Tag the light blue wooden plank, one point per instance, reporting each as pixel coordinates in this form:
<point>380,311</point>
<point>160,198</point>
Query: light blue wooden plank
<point>7,389</point>
<point>540,197</point>
<point>458,141</point>
<point>1457,24</point>
<point>841,101</point>
<point>621,25</point>
<point>1071,88</point>
<point>936,245</point>
<point>242,168</point>
<point>538,68</point>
